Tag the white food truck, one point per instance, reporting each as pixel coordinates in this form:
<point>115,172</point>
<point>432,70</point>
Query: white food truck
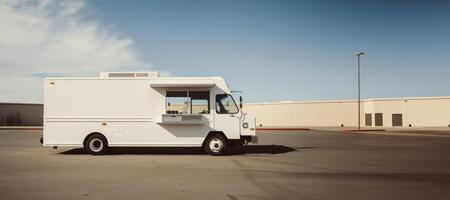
<point>141,109</point>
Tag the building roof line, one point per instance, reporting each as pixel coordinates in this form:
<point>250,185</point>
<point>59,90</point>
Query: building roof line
<point>351,101</point>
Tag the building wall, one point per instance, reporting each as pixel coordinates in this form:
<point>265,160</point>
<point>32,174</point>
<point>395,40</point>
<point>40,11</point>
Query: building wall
<point>417,112</point>
<point>305,113</point>
<point>12,114</point>
<point>386,108</point>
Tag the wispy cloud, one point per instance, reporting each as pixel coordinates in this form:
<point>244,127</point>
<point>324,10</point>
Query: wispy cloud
<point>45,37</point>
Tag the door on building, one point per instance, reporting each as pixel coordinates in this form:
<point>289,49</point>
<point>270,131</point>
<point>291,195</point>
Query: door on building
<point>397,120</point>
<point>378,119</point>
<point>368,118</point>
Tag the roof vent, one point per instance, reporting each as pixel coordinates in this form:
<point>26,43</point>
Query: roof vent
<point>138,75</point>
<point>121,75</point>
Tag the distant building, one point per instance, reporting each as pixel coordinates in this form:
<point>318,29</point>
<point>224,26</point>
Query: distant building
<point>383,112</point>
<point>21,114</point>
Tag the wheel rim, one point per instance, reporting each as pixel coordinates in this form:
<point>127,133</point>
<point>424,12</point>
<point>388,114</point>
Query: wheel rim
<point>96,145</point>
<point>216,145</point>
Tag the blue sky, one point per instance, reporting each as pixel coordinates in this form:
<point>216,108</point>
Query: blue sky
<point>295,50</point>
<point>289,50</point>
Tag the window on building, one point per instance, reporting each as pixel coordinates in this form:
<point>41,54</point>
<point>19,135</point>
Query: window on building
<point>397,120</point>
<point>378,119</point>
<point>368,118</point>
<point>187,102</point>
<point>225,104</point>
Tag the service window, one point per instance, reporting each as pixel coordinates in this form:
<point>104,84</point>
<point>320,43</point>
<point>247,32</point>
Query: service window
<point>225,104</point>
<point>199,102</point>
<point>187,102</point>
<point>177,102</point>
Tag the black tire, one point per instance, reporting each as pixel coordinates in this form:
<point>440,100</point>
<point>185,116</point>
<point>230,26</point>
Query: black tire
<point>96,144</point>
<point>215,145</point>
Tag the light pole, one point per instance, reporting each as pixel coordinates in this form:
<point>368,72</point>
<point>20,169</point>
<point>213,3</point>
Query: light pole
<point>359,88</point>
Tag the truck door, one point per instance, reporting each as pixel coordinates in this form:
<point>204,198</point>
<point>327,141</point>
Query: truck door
<point>227,116</point>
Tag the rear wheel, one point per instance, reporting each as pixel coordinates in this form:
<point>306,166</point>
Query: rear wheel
<point>215,145</point>
<point>96,144</point>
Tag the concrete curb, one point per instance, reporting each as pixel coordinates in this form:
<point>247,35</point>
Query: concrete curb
<point>282,129</point>
<point>387,133</point>
<point>361,130</point>
<point>21,127</point>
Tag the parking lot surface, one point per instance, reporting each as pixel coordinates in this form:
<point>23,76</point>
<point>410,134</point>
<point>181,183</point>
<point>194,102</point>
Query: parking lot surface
<point>285,165</point>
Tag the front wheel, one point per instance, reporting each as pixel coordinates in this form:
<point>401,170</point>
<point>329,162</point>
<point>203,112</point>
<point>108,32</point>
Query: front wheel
<point>96,144</point>
<point>215,145</point>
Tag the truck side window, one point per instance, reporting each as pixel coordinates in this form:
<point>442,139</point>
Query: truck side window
<point>225,104</point>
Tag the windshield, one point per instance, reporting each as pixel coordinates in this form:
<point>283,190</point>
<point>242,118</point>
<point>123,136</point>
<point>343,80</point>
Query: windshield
<point>225,104</point>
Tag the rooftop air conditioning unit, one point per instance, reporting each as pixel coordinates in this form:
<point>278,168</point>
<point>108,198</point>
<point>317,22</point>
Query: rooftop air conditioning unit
<point>108,75</point>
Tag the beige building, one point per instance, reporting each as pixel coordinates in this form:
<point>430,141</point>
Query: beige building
<point>386,112</point>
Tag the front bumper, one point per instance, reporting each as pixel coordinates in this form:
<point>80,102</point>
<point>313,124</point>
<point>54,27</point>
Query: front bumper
<point>254,139</point>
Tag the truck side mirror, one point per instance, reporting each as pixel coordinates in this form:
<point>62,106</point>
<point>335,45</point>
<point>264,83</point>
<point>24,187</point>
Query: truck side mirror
<point>240,102</point>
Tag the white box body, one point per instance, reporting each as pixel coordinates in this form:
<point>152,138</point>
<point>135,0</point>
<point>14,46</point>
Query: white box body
<point>131,111</point>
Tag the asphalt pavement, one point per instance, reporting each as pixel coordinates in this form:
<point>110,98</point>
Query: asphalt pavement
<point>285,165</point>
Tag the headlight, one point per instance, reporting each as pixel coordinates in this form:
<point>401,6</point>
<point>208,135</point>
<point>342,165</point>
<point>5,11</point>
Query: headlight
<point>245,125</point>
